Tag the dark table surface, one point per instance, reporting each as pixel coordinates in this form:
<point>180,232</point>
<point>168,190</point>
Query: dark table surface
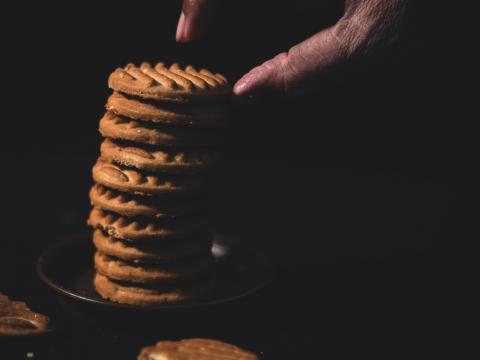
<point>384,265</point>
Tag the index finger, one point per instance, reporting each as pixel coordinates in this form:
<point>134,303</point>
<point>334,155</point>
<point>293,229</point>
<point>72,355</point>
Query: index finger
<point>194,19</point>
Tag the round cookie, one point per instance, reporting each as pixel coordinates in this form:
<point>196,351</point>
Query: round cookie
<point>22,323</point>
<point>16,319</point>
<point>172,83</point>
<point>196,245</point>
<point>136,205</point>
<point>133,181</point>
<point>192,349</point>
<point>164,113</point>
<point>152,274</point>
<point>143,296</point>
<point>158,160</point>
<point>134,229</point>
<point>119,127</point>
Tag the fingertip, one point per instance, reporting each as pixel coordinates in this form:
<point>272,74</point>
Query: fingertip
<point>244,85</point>
<point>179,36</point>
<point>239,88</point>
<point>193,20</point>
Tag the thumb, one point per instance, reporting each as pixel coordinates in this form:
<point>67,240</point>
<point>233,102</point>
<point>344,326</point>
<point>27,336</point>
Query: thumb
<point>291,72</point>
<point>368,27</point>
<point>193,19</point>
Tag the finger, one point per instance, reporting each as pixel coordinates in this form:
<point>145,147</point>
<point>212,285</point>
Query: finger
<point>180,27</point>
<point>295,70</point>
<point>193,19</point>
<point>368,27</point>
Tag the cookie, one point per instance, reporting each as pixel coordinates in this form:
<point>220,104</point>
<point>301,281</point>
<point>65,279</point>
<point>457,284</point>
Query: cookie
<point>21,323</point>
<point>166,113</point>
<point>119,127</point>
<point>133,229</point>
<point>117,269</point>
<point>149,296</point>
<point>5,303</point>
<point>16,319</point>
<point>195,349</point>
<point>158,160</point>
<point>132,181</point>
<point>148,206</point>
<point>172,83</point>
<point>197,245</point>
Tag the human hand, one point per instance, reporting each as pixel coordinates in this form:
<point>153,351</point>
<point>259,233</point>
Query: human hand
<point>367,28</point>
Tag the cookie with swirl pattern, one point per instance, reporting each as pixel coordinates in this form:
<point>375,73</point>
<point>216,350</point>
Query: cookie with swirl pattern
<point>138,229</point>
<point>125,293</point>
<point>197,244</point>
<point>166,113</point>
<point>140,182</point>
<point>16,319</point>
<point>195,349</point>
<point>130,272</point>
<point>156,159</point>
<point>170,83</point>
<point>149,206</point>
<point>115,126</point>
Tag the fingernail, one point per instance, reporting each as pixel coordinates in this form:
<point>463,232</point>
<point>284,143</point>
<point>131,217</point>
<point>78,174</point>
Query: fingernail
<point>180,28</point>
<point>188,30</point>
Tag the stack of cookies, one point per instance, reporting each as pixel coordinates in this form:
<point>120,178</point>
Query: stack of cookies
<point>151,179</point>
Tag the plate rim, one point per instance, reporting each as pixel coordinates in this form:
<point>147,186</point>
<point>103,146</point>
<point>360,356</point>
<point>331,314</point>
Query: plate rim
<point>72,294</point>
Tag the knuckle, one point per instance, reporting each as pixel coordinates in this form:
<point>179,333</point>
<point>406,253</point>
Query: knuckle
<point>348,38</point>
<point>369,27</point>
<point>282,66</point>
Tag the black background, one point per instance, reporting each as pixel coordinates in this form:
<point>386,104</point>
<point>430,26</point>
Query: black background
<point>363,193</point>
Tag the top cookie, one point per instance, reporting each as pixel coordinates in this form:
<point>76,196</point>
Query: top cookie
<point>169,83</point>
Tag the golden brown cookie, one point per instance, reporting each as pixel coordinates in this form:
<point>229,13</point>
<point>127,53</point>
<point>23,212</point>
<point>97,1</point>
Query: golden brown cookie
<point>147,296</point>
<point>133,181</point>
<point>195,349</point>
<point>117,269</point>
<point>119,127</point>
<point>156,159</point>
<point>172,83</point>
<point>16,319</point>
<point>137,205</point>
<point>143,229</point>
<point>5,303</point>
<point>166,113</point>
<point>197,245</point>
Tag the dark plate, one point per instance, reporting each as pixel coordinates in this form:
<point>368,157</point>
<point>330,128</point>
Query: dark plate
<point>67,268</point>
